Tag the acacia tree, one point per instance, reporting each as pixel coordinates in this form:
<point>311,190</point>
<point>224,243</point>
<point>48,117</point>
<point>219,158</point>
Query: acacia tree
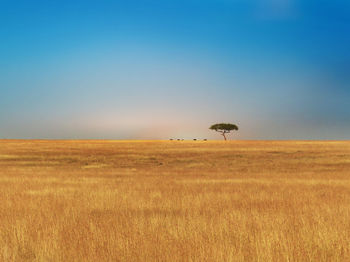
<point>224,128</point>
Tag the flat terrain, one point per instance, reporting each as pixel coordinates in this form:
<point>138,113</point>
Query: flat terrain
<point>174,201</point>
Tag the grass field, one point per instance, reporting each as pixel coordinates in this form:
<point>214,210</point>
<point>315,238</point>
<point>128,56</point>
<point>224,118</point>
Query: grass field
<point>174,201</point>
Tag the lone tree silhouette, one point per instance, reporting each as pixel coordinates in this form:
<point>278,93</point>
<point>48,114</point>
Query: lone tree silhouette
<point>224,128</point>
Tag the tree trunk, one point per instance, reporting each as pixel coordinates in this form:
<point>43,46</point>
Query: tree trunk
<point>224,136</point>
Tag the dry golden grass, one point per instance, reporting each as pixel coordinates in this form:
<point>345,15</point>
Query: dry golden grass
<point>174,201</point>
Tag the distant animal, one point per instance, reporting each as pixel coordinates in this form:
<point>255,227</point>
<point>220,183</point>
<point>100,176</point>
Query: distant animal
<point>204,139</point>
<point>178,139</point>
<point>171,139</point>
<point>194,139</point>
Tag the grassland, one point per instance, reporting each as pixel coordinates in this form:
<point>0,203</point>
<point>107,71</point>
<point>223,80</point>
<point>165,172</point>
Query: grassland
<point>174,201</point>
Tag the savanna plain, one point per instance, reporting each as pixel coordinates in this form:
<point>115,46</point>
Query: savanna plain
<point>101,200</point>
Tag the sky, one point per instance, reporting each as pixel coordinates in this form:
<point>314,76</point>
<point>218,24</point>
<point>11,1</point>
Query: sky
<point>160,69</point>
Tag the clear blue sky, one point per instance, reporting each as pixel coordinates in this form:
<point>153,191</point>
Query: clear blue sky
<point>280,69</point>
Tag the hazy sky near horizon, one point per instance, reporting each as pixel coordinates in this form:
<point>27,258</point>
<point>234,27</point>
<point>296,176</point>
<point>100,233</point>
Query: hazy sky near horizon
<point>156,69</point>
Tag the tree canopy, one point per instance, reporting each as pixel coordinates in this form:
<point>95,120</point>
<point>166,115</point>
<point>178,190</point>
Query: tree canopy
<point>224,128</point>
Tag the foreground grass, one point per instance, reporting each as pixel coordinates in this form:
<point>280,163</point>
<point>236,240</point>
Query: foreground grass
<point>174,201</point>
